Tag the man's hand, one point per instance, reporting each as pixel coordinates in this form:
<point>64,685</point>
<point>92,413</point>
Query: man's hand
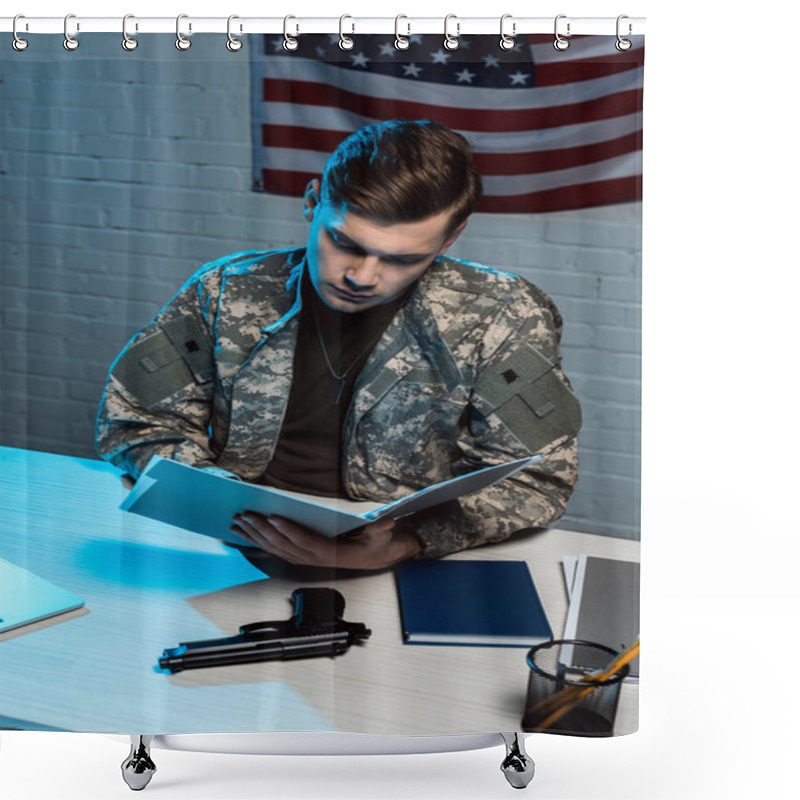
<point>375,546</point>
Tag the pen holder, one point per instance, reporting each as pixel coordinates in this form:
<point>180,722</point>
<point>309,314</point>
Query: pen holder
<point>566,694</point>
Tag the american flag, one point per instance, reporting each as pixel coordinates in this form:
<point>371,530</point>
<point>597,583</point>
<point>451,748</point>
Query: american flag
<point>551,130</point>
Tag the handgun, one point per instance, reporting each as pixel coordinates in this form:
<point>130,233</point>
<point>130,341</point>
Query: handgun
<point>315,629</point>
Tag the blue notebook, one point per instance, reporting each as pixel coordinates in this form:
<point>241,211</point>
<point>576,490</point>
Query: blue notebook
<point>470,603</point>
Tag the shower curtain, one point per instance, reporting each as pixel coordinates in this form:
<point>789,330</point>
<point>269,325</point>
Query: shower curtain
<point>164,177</point>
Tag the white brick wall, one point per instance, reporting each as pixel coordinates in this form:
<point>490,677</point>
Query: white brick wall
<point>122,172</point>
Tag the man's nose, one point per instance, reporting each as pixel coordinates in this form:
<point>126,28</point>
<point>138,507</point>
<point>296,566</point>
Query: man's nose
<point>364,275</point>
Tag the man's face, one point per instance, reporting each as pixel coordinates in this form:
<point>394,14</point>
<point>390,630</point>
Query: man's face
<point>357,263</point>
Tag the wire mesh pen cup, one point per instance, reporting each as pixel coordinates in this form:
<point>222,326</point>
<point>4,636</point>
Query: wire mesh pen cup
<point>565,693</point>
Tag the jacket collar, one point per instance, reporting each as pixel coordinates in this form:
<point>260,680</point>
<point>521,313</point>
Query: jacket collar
<point>295,261</point>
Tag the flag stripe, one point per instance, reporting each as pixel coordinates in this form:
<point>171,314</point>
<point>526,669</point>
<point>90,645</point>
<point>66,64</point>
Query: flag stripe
<point>585,48</point>
<point>339,124</point>
<point>562,198</point>
<point>445,95</point>
<point>578,71</point>
<point>512,182</point>
<point>284,137</point>
<point>522,183</point>
<point>297,137</point>
<point>315,94</point>
<point>565,198</point>
<point>549,160</point>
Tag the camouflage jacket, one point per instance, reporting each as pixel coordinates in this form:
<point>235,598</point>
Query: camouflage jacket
<point>466,375</point>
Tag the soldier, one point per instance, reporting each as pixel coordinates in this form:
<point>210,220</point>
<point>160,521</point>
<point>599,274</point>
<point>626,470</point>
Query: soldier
<point>366,365</point>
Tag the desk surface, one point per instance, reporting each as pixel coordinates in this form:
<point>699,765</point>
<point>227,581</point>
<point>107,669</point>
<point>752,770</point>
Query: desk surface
<point>148,586</point>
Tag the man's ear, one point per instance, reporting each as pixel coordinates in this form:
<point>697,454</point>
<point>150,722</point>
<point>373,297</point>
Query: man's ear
<point>311,199</point>
<point>452,236</point>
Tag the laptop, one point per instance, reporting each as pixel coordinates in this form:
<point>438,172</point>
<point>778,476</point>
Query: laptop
<point>26,598</point>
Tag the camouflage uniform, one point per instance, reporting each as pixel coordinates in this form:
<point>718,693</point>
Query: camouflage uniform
<point>466,375</point>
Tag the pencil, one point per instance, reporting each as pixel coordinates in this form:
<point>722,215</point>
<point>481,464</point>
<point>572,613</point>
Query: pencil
<point>560,703</point>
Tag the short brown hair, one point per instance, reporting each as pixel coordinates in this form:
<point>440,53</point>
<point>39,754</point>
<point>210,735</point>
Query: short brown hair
<point>403,171</point>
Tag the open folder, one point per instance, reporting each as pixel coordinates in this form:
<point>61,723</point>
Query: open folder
<point>205,502</point>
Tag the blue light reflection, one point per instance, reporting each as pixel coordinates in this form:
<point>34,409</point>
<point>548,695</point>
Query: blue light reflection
<point>151,567</point>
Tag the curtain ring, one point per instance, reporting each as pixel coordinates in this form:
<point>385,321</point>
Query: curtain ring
<point>345,42</point>
<point>233,44</point>
<point>289,43</point>
<point>70,42</point>
<point>181,42</point>
<point>623,44</point>
<point>401,42</point>
<point>128,42</point>
<point>507,42</point>
<point>451,42</point>
<point>19,44</point>
<point>560,42</point>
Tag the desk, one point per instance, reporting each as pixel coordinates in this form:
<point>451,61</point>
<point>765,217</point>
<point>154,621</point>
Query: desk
<point>148,586</point>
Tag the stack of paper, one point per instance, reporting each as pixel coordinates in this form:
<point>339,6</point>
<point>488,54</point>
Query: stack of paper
<point>603,603</point>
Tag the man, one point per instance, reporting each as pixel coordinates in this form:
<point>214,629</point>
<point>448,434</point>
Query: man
<point>367,365</point>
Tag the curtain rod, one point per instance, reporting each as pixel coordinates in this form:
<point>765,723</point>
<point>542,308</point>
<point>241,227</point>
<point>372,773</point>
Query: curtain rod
<point>294,25</point>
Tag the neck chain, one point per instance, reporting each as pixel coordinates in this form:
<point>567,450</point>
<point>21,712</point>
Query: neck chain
<point>335,395</point>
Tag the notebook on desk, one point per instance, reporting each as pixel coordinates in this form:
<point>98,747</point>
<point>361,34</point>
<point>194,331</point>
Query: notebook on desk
<point>457,602</point>
<point>27,598</point>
